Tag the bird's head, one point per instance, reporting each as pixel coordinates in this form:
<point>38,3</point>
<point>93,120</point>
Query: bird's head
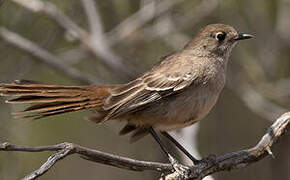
<point>216,39</point>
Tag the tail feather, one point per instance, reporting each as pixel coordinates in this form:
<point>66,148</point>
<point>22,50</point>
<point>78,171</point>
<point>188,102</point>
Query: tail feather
<point>46,99</point>
<point>51,106</point>
<point>51,100</point>
<point>8,92</point>
<point>45,113</point>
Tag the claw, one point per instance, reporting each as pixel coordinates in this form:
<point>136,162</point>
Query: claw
<point>270,152</point>
<point>182,171</point>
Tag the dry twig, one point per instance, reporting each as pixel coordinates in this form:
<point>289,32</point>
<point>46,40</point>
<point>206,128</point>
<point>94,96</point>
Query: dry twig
<point>207,166</point>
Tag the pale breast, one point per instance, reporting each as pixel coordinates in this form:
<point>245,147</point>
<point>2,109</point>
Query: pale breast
<point>182,108</point>
<point>187,109</point>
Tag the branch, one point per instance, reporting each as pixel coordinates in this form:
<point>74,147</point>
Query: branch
<point>207,166</point>
<point>94,20</point>
<point>244,158</point>
<point>65,149</point>
<point>55,14</point>
<point>99,42</point>
<point>43,55</point>
<point>254,100</point>
<point>259,104</point>
<point>166,25</point>
<point>139,19</point>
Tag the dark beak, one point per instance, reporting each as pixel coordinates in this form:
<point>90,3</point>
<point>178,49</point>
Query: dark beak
<point>243,36</point>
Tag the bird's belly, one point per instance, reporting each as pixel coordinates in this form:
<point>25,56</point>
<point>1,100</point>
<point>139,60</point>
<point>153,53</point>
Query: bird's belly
<point>178,111</point>
<point>186,113</point>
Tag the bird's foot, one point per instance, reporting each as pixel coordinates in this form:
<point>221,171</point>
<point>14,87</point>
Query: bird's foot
<point>182,171</point>
<point>196,162</point>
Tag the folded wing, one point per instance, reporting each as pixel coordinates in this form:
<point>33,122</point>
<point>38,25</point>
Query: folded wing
<point>162,81</point>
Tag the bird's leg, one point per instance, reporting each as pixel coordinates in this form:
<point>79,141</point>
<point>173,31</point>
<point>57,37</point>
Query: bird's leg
<point>182,170</point>
<point>180,147</point>
<point>158,140</point>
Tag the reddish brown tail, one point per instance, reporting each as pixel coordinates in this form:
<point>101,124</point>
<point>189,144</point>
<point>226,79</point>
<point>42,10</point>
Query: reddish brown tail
<point>51,100</point>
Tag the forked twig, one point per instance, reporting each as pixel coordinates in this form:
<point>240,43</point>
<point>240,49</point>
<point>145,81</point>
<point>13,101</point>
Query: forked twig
<point>207,166</point>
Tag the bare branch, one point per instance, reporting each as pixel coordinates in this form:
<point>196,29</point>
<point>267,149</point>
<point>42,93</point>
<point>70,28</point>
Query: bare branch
<point>165,25</point>
<point>111,60</point>
<point>207,166</point>
<point>86,153</point>
<point>98,39</point>
<point>55,14</point>
<point>43,55</point>
<point>140,18</point>
<point>254,100</point>
<point>48,164</point>
<point>259,104</point>
<point>96,27</point>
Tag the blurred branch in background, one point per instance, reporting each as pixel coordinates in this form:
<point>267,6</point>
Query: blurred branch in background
<point>97,48</point>
<point>94,20</point>
<point>44,56</point>
<point>167,25</point>
<point>256,102</point>
<point>207,166</point>
<point>148,10</point>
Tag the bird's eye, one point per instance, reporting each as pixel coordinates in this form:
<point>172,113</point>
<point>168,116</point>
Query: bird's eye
<point>220,36</point>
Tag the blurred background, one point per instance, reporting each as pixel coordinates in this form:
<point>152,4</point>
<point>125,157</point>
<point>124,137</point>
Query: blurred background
<point>78,42</point>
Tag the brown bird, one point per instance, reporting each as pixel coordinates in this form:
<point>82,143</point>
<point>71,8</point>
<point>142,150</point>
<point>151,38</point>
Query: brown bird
<point>176,93</point>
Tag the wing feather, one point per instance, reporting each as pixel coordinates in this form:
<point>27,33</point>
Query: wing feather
<point>160,82</point>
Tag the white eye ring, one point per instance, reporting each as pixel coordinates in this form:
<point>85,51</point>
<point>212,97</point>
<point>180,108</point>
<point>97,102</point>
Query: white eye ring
<point>220,36</point>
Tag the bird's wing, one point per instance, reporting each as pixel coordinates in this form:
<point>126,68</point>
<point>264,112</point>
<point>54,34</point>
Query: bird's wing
<point>160,82</point>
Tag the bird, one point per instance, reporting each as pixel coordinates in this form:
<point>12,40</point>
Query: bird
<point>177,92</point>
